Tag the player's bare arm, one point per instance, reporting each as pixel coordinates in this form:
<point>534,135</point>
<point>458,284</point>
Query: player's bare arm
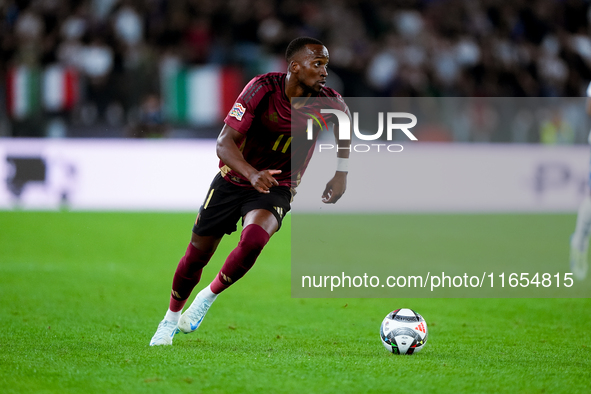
<point>335,188</point>
<point>228,151</point>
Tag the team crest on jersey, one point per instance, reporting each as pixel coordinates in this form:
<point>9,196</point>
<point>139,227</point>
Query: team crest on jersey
<point>237,111</point>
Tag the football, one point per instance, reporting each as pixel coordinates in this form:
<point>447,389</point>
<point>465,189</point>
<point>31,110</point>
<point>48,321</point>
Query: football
<point>403,331</point>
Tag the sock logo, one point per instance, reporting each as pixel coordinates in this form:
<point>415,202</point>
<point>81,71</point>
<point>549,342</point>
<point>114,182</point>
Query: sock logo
<point>226,278</point>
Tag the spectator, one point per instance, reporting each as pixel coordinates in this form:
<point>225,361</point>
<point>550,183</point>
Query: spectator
<point>480,47</point>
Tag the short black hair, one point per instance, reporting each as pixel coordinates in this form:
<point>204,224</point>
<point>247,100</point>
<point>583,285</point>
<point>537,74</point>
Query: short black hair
<point>297,44</point>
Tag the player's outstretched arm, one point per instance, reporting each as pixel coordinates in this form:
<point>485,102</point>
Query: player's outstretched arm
<point>227,150</point>
<point>335,188</point>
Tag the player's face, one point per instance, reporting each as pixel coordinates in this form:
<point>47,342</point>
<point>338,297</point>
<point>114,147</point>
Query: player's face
<point>313,62</point>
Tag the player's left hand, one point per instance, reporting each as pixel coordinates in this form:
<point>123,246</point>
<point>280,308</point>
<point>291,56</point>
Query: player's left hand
<point>335,188</point>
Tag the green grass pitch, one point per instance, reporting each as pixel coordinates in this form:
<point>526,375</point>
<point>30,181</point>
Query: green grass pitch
<point>82,293</point>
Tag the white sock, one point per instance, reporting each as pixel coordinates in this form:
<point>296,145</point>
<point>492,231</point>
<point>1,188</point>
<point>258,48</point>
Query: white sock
<point>173,316</point>
<point>583,223</point>
<point>207,294</point>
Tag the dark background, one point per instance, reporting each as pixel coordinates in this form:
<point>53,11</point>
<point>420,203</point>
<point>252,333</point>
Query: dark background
<point>119,50</point>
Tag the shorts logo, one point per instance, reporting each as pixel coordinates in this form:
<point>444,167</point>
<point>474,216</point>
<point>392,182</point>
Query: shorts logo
<point>279,211</point>
<point>237,111</point>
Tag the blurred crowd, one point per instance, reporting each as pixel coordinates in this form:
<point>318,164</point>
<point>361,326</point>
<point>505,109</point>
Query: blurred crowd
<point>532,48</point>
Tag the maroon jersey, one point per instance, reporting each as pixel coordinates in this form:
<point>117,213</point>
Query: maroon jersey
<point>263,114</point>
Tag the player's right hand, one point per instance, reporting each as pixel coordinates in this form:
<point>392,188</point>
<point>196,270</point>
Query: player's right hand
<point>262,181</point>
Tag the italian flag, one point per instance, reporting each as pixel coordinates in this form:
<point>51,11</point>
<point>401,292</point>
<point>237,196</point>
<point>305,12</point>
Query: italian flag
<point>23,91</point>
<point>60,88</point>
<point>200,95</point>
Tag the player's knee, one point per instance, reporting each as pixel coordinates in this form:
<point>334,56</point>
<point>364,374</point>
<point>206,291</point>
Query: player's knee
<point>254,238</point>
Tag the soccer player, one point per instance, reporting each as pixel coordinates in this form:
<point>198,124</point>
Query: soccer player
<point>579,241</point>
<point>259,169</point>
